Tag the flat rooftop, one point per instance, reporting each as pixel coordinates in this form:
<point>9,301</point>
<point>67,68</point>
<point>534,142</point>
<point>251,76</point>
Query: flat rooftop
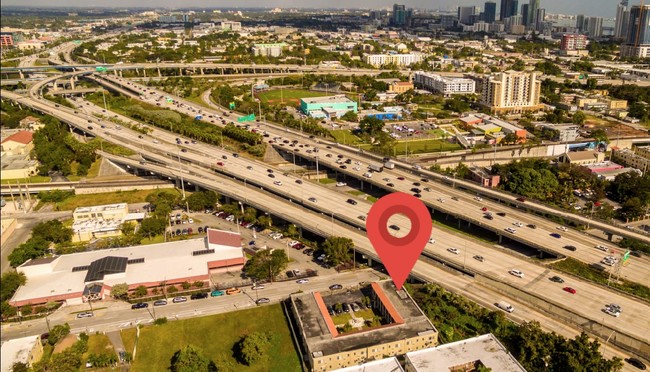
<point>320,340</point>
<point>485,348</point>
<point>328,99</point>
<point>101,208</point>
<point>16,350</point>
<point>381,365</point>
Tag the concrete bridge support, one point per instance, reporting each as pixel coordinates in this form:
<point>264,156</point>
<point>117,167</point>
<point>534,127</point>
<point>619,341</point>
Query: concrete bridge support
<point>500,238</point>
<point>159,74</point>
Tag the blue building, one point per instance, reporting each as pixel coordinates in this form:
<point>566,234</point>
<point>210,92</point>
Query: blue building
<point>327,107</point>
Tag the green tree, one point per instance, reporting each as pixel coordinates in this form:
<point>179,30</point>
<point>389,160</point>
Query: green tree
<point>9,283</point>
<point>510,138</point>
<point>578,118</point>
<point>191,359</point>
<point>371,125</point>
<point>53,231</point>
<point>140,291</point>
<point>266,265</point>
<point>338,249</point>
<point>19,367</point>
<point>253,348</point>
<point>152,226</point>
<point>600,135</point>
<point>120,291</point>
<point>350,116</point>
<point>202,200</point>
<point>456,104</point>
<point>57,333</point>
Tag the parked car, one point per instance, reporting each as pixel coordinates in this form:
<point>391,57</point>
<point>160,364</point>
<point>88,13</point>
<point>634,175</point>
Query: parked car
<point>179,299</point>
<point>232,291</point>
<point>637,363</point>
<point>139,305</point>
<point>160,303</point>
<point>336,286</point>
<point>85,314</point>
<point>198,296</point>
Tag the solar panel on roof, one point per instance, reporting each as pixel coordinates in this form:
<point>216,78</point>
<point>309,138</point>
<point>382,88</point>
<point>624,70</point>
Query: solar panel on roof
<point>106,265</point>
<point>80,268</point>
<point>205,251</point>
<point>135,261</point>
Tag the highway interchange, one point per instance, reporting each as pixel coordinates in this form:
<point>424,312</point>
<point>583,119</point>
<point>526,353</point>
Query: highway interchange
<point>588,301</point>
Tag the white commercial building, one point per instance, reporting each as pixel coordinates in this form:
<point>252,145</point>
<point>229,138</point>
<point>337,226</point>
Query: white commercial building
<point>268,50</point>
<point>444,85</point>
<point>378,60</point>
<point>232,26</point>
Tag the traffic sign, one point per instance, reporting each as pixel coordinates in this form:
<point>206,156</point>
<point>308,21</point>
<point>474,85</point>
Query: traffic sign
<point>232,105</point>
<point>626,256</point>
<point>250,117</point>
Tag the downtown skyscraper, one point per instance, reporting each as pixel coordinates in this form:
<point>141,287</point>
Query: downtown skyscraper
<point>532,20</point>
<point>637,35</point>
<point>508,8</point>
<point>622,17</point>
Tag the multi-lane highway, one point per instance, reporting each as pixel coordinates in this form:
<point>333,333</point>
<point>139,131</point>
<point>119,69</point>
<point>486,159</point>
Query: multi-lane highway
<point>496,263</point>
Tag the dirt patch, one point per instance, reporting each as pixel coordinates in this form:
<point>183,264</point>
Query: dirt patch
<point>68,341</point>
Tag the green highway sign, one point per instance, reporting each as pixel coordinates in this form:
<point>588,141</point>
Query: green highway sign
<point>250,117</point>
<point>100,69</point>
<point>626,256</point>
<point>232,105</point>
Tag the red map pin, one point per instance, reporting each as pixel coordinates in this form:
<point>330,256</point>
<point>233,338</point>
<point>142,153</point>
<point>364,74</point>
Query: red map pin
<point>398,254</point>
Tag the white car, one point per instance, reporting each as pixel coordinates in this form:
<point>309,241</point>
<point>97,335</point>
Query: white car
<point>257,286</point>
<point>293,242</point>
<point>367,175</point>
<point>453,250</point>
<point>356,168</point>
<point>190,220</point>
<point>432,240</point>
<point>277,236</point>
<point>518,224</point>
<point>612,311</point>
<point>277,183</point>
<point>562,228</point>
<point>517,273</point>
<point>441,200</point>
<point>341,184</point>
<point>302,281</point>
<point>511,230</point>
<point>230,218</point>
<point>478,198</point>
<point>602,248</point>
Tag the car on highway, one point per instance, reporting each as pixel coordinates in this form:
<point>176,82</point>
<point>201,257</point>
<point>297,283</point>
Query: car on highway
<point>299,182</point>
<point>220,163</point>
<point>488,216</point>
<point>179,299</point>
<point>335,287</point>
<point>160,303</point>
<point>432,240</point>
<point>277,183</point>
<point>312,199</point>
<point>390,184</point>
<point>562,228</point>
<point>602,248</point>
<point>271,175</point>
<point>479,258</point>
<point>518,224</point>
<point>612,311</point>
<point>262,300</point>
<point>351,201</point>
<point>302,281</point>
<point>556,279</point>
<point>85,314</point>
<point>198,296</point>
<point>139,305</point>
<point>570,247</point>
<point>453,250</point>
<point>217,293</point>
<point>341,184</point>
<point>394,227</point>
<point>484,209</point>
<point>521,199</point>
<point>362,217</point>
<point>517,273</point>
<point>532,226</point>
<point>510,230</point>
<point>400,178</point>
<point>257,287</point>
<point>556,235</point>
<point>636,363</point>
<point>501,214</point>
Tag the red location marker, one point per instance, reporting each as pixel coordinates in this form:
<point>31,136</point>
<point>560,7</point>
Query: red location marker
<point>398,254</point>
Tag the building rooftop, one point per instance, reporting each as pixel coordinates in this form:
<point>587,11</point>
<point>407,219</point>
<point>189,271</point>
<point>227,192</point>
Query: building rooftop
<point>101,208</point>
<point>23,137</point>
<point>328,99</point>
<point>485,349</point>
<point>316,323</point>
<point>16,350</point>
<point>581,155</point>
<point>65,274</point>
<point>381,365</point>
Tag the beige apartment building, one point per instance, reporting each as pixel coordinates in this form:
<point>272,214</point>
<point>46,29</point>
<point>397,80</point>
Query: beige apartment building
<point>638,158</point>
<point>512,91</point>
<point>101,221</point>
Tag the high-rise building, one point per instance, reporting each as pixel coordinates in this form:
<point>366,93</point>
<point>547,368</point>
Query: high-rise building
<point>573,42</point>
<point>580,22</point>
<point>524,14</point>
<point>508,8</point>
<point>594,26</point>
<point>637,36</point>
<point>6,39</point>
<point>539,20</point>
<point>511,91</point>
<point>490,13</point>
<point>465,14</point>
<point>533,5</point>
<point>399,14</point>
<point>621,19</point>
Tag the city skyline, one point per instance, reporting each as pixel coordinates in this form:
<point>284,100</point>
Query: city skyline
<point>599,8</point>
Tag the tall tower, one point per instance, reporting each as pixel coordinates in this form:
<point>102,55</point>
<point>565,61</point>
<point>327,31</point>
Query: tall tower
<point>622,15</point>
<point>399,14</point>
<point>637,36</point>
<point>524,14</point>
<point>507,9</point>
<point>490,13</point>
<point>533,5</point>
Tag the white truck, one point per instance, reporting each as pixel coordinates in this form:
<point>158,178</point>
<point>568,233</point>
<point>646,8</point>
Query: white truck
<point>389,165</point>
<point>505,306</point>
<point>376,167</point>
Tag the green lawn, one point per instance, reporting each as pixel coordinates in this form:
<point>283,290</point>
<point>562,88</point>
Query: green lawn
<point>423,146</point>
<point>22,181</point>
<point>216,335</point>
<point>128,339</point>
<point>437,133</point>
<point>98,344</point>
<point>356,192</point>
<point>87,200</point>
<point>198,101</point>
<point>345,136</point>
<point>325,181</point>
<point>92,172</point>
<point>341,319</point>
<point>288,95</point>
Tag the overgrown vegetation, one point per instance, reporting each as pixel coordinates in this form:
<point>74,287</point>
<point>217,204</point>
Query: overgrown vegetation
<point>43,234</point>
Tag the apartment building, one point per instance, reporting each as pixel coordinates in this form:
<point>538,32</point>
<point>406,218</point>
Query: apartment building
<point>638,158</point>
<point>443,85</point>
<point>511,91</point>
<point>269,50</point>
<point>378,60</point>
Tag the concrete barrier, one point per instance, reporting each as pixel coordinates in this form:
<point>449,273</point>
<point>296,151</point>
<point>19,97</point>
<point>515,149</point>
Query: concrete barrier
<point>590,326</point>
<point>98,190</point>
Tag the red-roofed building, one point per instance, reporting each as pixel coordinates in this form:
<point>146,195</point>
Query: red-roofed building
<point>18,143</point>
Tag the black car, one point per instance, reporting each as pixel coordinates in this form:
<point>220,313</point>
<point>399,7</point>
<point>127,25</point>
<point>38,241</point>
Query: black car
<point>352,201</point>
<point>394,227</point>
<point>416,190</point>
<point>556,279</point>
<point>488,216</point>
<point>336,286</point>
<point>198,296</point>
<point>502,214</point>
<point>299,182</point>
<point>390,184</point>
<point>637,363</point>
<point>532,226</point>
<point>271,175</point>
<point>416,184</point>
<point>346,307</point>
<point>139,305</point>
<point>330,310</point>
<point>570,247</point>
<point>343,167</point>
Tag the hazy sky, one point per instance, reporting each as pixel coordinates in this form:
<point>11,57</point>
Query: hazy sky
<point>603,8</point>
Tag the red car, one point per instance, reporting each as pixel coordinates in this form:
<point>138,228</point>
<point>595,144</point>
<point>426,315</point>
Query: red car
<point>570,290</point>
<point>522,199</point>
<point>400,178</point>
<point>220,163</point>
<point>484,209</point>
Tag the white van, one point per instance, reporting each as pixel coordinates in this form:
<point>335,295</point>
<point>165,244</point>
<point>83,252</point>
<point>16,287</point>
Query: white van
<point>505,306</point>
<point>367,175</point>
